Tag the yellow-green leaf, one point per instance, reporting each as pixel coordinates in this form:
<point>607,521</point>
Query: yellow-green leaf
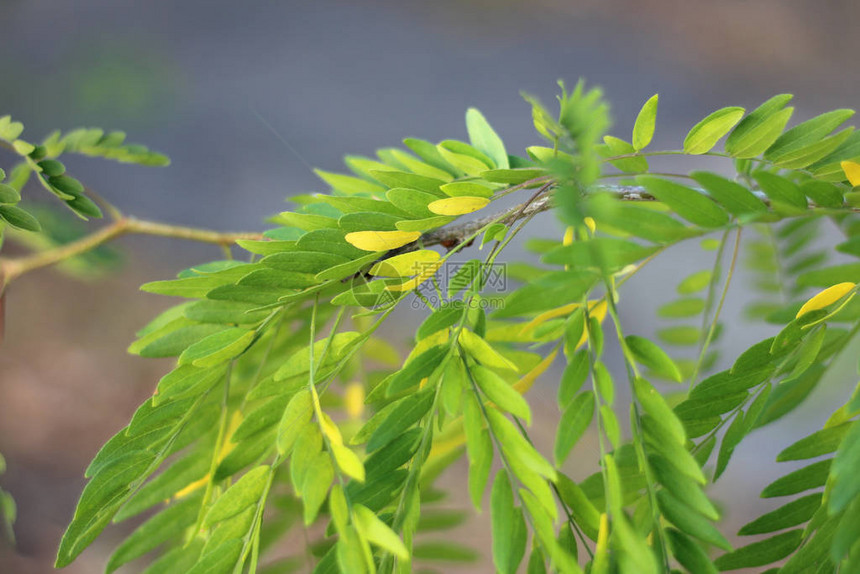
<point>406,264</point>
<point>827,297</point>
<point>381,240</point>
<point>461,188</point>
<point>643,129</point>
<point>458,205</point>
<point>483,351</point>
<point>348,462</point>
<point>708,132</point>
<point>377,532</point>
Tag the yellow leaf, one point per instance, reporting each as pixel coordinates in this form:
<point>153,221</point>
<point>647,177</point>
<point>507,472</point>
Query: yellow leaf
<point>458,205</point>
<point>427,273</point>
<point>852,172</point>
<point>827,297</point>
<point>330,430</point>
<point>568,236</point>
<point>406,264</point>
<point>381,240</point>
<point>590,224</point>
<point>353,398</point>
<point>525,383</point>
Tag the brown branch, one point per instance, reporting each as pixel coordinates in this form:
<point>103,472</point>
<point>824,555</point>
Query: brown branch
<point>455,234</point>
<point>11,269</point>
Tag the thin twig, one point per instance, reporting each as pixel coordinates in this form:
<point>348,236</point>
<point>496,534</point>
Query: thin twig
<point>11,269</point>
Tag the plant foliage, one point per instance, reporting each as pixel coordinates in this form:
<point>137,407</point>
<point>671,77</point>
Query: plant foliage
<point>286,410</point>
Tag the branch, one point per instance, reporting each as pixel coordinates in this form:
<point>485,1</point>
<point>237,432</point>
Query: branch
<point>455,234</point>
<point>11,269</point>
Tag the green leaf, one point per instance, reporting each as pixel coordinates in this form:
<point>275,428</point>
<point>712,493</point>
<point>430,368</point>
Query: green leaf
<point>378,533</point>
<point>100,500</point>
<point>299,362</point>
<point>781,191</point>
<point>9,194</point>
<point>400,179</point>
<point>686,202</point>
<point>10,130</point>
<point>680,335</point>
<point>481,350</point>
<point>624,218</point>
<point>737,199</point>
<point>549,291</point>
<point>689,521</point>
<point>164,486</point>
<point>574,421</point>
<point>513,176</point>
<point>689,553</point>
<point>828,276</point>
<point>502,393</point>
<point>17,217</point>
<point>643,129</point>
<point>655,405</point>
<point>824,441</point>
<point>412,202</point>
<point>416,369</point>
<point>760,129</point>
<point>807,133</point>
<point>467,189</point>
<point>683,487</point>
<point>244,493</point>
<point>306,221</point>
<point>518,448</point>
<point>844,471</point>
<point>791,514</point>
<point>295,417</point>
<point>348,462</point>
<point>464,157</point>
<point>682,308</point>
<point>168,524</point>
<point>508,526</point>
<point>606,253</point>
<point>317,480</point>
<point>484,138</point>
<point>217,348</point>
<point>428,152</point>
<point>406,413</point>
<point>811,476</point>
<point>708,132</point>
<point>583,510</point>
<point>615,147</point>
<point>443,552</point>
<point>653,357</point>
<point>573,377</point>
<point>734,434</point>
<point>761,553</point>
<point>412,164</point>
<point>442,318</point>
<point>405,264</point>
<point>367,220</point>
<point>221,560</point>
<point>349,185</point>
<point>695,282</point>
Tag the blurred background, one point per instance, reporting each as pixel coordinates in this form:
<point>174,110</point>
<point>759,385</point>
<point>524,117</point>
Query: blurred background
<point>246,97</point>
